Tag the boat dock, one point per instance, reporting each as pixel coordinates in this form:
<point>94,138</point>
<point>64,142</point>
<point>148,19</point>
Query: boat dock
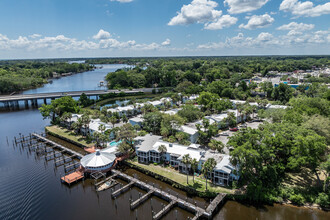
<point>69,177</point>
<point>142,199</point>
<point>173,200</point>
<point>54,144</point>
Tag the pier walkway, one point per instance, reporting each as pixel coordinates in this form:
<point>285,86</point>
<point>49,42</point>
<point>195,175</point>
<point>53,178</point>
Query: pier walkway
<point>173,200</point>
<point>54,144</point>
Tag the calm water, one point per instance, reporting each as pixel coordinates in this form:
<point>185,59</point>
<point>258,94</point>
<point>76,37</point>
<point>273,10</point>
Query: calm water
<point>31,188</point>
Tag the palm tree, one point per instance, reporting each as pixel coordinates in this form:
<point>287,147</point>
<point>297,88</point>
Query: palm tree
<point>85,121</point>
<point>167,104</point>
<point>113,121</point>
<point>101,129</point>
<point>79,124</point>
<point>125,119</point>
<point>104,138</point>
<point>205,170</point>
<point>96,136</point>
<point>65,117</point>
<point>162,150</point>
<point>216,145</point>
<point>186,160</point>
<point>240,109</point>
<point>208,166</point>
<point>74,126</point>
<point>194,166</point>
<point>180,136</point>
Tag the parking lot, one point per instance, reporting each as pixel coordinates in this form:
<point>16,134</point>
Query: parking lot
<point>223,137</point>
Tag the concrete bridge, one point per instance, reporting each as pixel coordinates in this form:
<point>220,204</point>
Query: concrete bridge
<point>13,100</point>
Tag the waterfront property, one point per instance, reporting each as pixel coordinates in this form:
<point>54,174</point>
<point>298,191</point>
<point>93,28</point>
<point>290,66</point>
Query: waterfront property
<point>98,161</point>
<point>147,151</point>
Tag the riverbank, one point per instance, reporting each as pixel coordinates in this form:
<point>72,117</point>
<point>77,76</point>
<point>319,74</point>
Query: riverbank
<point>68,135</point>
<point>176,179</point>
<point>25,75</point>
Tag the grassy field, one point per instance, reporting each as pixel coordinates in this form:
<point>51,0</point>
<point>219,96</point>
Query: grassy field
<point>69,135</point>
<point>180,178</point>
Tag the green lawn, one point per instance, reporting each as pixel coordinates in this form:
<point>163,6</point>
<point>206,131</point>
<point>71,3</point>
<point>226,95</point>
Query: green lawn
<point>69,135</point>
<point>180,178</point>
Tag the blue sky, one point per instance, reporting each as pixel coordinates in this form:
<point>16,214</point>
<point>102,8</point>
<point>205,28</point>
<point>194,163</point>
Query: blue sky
<point>113,28</point>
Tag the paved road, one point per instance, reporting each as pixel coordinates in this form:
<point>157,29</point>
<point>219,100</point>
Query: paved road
<point>19,97</point>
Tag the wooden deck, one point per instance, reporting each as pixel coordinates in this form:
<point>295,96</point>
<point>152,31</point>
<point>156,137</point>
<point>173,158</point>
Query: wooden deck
<point>73,177</point>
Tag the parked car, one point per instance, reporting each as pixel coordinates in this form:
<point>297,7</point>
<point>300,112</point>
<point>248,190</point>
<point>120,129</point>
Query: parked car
<point>224,134</point>
<point>233,129</point>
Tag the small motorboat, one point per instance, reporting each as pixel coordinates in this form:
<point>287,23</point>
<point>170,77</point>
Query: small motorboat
<point>108,184</point>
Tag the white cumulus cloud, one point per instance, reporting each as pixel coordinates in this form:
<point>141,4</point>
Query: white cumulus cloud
<point>35,35</point>
<point>198,11</point>
<point>267,40</point>
<point>102,34</point>
<point>294,26</point>
<point>258,21</point>
<point>167,42</point>
<point>241,6</point>
<point>220,23</point>
<point>306,8</point>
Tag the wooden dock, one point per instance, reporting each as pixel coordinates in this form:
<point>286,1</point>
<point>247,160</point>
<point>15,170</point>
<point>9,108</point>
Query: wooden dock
<point>215,202</point>
<point>142,199</point>
<point>165,210</point>
<point>173,200</point>
<point>54,144</point>
<point>122,189</point>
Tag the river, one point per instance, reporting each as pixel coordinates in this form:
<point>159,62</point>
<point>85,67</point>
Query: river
<point>31,188</point>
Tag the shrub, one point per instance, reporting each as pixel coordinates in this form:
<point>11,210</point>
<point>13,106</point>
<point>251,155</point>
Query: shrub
<point>297,199</point>
<point>323,200</point>
<point>142,133</point>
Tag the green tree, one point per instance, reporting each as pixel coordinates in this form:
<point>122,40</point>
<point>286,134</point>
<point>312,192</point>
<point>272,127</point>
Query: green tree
<point>126,133</point>
<point>282,93</point>
<point>208,167</point>
<point>206,131</point>
<point>58,107</point>
<point>190,113</point>
<point>113,121</point>
<point>152,122</point>
<point>124,148</point>
<point>85,121</point>
<point>162,150</point>
<point>194,166</point>
<point>186,159</point>
<point>207,100</point>
<point>171,122</point>
<point>124,118</point>
<point>216,145</point>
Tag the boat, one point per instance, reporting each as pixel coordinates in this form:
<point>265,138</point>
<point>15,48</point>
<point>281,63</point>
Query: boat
<point>108,184</point>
